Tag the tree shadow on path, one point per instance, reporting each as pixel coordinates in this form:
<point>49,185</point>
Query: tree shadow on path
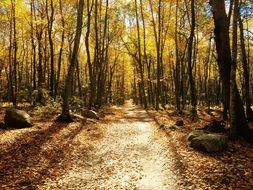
<point>27,161</point>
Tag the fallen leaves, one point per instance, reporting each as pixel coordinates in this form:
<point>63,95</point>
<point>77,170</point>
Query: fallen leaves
<point>122,151</point>
<point>232,169</point>
<point>29,156</point>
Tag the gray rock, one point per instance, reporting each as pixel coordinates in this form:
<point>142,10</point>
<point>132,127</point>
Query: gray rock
<point>90,114</point>
<point>179,123</point>
<point>209,143</point>
<point>17,119</point>
<point>194,134</point>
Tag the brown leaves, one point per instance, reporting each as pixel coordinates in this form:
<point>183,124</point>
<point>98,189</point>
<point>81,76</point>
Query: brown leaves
<point>29,156</point>
<point>122,151</point>
<point>230,170</point>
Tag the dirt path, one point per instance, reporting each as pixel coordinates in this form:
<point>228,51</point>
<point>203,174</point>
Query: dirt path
<point>124,150</point>
<point>132,155</point>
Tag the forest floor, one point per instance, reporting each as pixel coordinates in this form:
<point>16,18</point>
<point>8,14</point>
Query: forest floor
<point>125,149</point>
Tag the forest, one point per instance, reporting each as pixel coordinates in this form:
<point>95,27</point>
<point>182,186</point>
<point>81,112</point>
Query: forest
<point>126,94</point>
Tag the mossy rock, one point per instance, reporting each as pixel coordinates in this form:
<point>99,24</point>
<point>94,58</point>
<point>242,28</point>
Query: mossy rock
<point>209,143</point>
<point>194,134</point>
<point>15,118</point>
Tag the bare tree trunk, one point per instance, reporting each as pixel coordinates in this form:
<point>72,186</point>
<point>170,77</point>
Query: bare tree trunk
<point>159,58</point>
<point>40,68</point>
<point>207,71</point>
<point>61,50</point>
<point>15,46</point>
<point>102,58</point>
<point>87,45</point>
<point>245,70</point>
<point>50,20</point>
<point>238,122</point>
<point>79,79</point>
<point>190,47</point>
<point>65,115</point>
<point>140,62</point>
<point>157,33</point>
<point>110,79</point>
<point>33,45</point>
<point>145,53</point>
<point>10,89</point>
<point>221,32</point>
<point>177,70</point>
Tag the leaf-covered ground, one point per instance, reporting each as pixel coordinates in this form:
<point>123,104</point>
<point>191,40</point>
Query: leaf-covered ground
<point>124,150</point>
<point>230,170</point>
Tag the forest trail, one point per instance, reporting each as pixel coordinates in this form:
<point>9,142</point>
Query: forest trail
<point>131,155</point>
<point>124,150</point>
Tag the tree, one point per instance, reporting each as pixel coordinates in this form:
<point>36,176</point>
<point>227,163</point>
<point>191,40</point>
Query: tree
<point>177,69</point>
<point>65,115</point>
<point>190,61</point>
<point>154,49</point>
<point>50,21</point>
<point>61,49</point>
<point>139,59</point>
<point>238,122</point>
<point>246,74</point>
<point>221,32</point>
<point>158,35</point>
<point>87,45</point>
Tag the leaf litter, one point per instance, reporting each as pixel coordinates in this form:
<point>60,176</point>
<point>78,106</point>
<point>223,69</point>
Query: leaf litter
<point>125,150</point>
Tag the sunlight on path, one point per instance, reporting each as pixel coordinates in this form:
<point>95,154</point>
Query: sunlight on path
<point>131,156</point>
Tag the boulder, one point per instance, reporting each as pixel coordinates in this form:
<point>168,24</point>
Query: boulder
<point>194,134</point>
<point>15,118</point>
<point>90,114</point>
<point>179,123</point>
<point>209,143</point>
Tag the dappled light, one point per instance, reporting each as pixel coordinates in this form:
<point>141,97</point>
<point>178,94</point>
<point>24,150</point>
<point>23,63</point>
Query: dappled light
<point>126,94</point>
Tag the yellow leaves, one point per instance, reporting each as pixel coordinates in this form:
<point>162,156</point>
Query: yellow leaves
<point>5,3</point>
<point>20,7</point>
<point>251,22</point>
<point>40,22</point>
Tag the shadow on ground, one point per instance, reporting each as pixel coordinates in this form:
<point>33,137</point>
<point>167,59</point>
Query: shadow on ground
<point>33,157</point>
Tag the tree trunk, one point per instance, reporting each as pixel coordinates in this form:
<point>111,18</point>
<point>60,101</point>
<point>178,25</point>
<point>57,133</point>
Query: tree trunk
<point>221,32</point>
<point>50,20</point>
<point>245,71</point>
<point>177,70</point>
<point>87,45</point>
<point>238,122</point>
<point>15,49</point>
<point>40,67</point>
<point>65,115</point>
<point>61,50</point>
<point>139,60</point>
<point>193,93</point>
<point>33,45</point>
<point>144,51</point>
